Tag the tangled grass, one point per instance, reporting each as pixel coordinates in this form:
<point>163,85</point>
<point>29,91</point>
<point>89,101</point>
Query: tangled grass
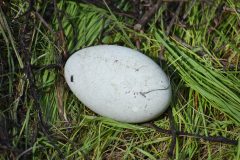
<point>196,43</point>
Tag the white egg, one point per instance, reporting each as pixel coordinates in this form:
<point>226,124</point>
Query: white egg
<point>119,83</point>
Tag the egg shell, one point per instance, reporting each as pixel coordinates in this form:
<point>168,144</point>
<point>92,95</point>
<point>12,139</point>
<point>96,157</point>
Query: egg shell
<point>118,82</point>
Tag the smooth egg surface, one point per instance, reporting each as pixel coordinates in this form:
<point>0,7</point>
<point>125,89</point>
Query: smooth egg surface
<point>118,82</point>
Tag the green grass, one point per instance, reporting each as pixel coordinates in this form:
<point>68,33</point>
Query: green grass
<point>205,92</point>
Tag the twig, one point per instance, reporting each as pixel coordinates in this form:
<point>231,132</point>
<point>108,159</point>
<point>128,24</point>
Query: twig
<point>161,52</point>
<point>74,27</point>
<point>24,152</point>
<point>232,10</point>
<point>230,66</point>
<point>173,131</point>
<point>192,3</point>
<point>186,134</point>
<point>44,22</point>
<point>136,7</point>
<point>144,19</point>
<point>59,90</point>
<point>147,16</point>
<point>174,18</point>
<point>61,43</point>
<point>25,49</point>
<point>61,35</point>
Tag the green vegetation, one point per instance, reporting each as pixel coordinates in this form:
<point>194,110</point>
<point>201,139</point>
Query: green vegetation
<point>201,55</point>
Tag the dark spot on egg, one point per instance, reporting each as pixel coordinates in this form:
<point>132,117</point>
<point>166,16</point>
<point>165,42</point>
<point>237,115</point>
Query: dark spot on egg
<point>71,78</point>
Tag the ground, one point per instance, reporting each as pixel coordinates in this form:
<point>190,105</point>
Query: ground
<point>197,43</point>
